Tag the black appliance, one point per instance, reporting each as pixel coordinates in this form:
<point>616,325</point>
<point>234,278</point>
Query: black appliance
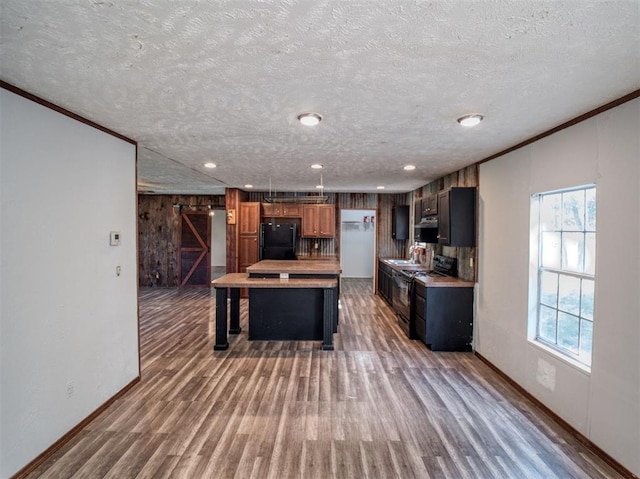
<point>442,266</point>
<point>401,294</point>
<point>278,240</point>
<point>403,286</point>
<point>427,229</point>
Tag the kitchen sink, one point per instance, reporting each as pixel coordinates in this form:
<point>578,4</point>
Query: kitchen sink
<point>402,262</point>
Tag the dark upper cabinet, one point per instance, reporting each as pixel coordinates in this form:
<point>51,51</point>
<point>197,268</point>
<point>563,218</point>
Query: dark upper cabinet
<point>457,216</point>
<point>426,231</point>
<point>400,222</point>
<point>417,211</point>
<point>430,205</point>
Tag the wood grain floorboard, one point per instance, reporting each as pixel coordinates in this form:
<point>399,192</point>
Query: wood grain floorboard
<point>379,406</point>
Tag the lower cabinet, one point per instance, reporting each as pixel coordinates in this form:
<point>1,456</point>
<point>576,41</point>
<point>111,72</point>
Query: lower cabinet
<point>443,317</point>
<point>385,281</point>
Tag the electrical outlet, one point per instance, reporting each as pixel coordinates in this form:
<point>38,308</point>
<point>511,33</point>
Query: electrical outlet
<point>70,388</point>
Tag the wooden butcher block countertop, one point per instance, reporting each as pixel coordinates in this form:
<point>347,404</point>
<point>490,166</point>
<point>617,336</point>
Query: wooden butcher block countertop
<point>242,280</point>
<point>307,266</point>
<point>443,282</point>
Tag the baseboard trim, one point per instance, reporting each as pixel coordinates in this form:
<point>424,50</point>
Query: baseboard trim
<point>33,465</point>
<point>584,440</point>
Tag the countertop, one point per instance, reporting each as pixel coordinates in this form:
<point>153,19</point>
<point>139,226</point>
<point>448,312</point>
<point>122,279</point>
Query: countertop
<point>242,280</point>
<point>306,266</point>
<point>428,281</point>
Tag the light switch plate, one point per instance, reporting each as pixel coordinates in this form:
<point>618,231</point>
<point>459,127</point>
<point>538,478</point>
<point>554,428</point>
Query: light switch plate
<point>114,238</point>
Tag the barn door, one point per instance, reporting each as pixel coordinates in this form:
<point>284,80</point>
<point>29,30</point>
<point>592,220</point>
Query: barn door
<point>194,247</point>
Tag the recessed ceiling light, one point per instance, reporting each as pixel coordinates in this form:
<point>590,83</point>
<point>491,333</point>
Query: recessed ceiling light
<point>309,119</point>
<point>248,186</point>
<point>317,166</point>
<point>410,167</point>
<point>210,165</point>
<point>380,187</point>
<point>319,186</point>
<point>470,120</point>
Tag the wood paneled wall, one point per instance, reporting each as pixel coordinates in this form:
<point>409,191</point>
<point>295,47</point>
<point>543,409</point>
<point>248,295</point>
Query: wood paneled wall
<point>158,227</point>
<point>387,246</point>
<point>158,223</point>
<point>466,256</point>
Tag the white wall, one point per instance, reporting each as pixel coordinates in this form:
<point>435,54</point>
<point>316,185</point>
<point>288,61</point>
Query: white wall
<point>603,405</point>
<point>69,323</point>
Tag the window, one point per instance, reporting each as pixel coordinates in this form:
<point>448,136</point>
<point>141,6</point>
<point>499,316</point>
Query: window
<point>565,249</point>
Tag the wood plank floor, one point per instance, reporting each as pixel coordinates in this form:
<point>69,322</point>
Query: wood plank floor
<point>379,406</point>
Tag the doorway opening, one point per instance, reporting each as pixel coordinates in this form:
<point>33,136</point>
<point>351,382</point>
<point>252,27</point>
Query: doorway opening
<point>357,243</point>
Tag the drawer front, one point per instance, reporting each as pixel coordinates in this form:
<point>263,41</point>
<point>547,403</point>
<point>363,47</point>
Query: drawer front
<point>419,303</point>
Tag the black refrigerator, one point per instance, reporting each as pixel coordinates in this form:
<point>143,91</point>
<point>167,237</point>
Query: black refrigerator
<point>278,240</point>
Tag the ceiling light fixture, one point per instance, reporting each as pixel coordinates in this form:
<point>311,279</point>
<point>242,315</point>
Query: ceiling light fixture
<point>248,186</point>
<point>409,167</point>
<point>317,166</point>
<point>380,187</point>
<point>309,119</point>
<point>470,120</point>
<point>210,165</point>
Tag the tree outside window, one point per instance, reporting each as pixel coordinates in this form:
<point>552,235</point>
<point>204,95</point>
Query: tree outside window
<point>566,245</point>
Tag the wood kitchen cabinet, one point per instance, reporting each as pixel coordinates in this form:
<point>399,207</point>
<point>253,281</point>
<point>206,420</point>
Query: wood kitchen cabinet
<point>457,216</point>
<point>248,237</point>
<point>430,205</point>
<point>281,210</point>
<point>443,317</point>
<point>248,251</point>
<point>248,241</point>
<point>385,281</point>
<point>417,211</point>
<point>318,221</point>
<point>400,222</point>
<point>249,218</point>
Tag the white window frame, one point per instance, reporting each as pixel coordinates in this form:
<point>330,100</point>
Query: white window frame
<point>537,270</point>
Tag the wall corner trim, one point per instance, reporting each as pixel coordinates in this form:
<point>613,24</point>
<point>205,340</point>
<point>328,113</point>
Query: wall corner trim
<point>59,109</point>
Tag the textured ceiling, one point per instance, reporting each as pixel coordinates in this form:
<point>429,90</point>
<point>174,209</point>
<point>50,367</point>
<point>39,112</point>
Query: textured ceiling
<point>223,81</point>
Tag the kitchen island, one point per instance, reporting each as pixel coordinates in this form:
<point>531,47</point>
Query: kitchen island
<point>289,300</point>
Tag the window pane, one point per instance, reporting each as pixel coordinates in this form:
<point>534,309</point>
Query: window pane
<point>569,294</point>
<point>586,303</point>
<point>551,250</point>
<point>550,212</point>
<point>591,209</point>
<point>590,253</point>
<point>566,246</point>
<point>547,325</point>
<point>568,331</point>
<point>573,210</point>
<point>586,333</point>
<point>549,289</point>
<point>572,248</point>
